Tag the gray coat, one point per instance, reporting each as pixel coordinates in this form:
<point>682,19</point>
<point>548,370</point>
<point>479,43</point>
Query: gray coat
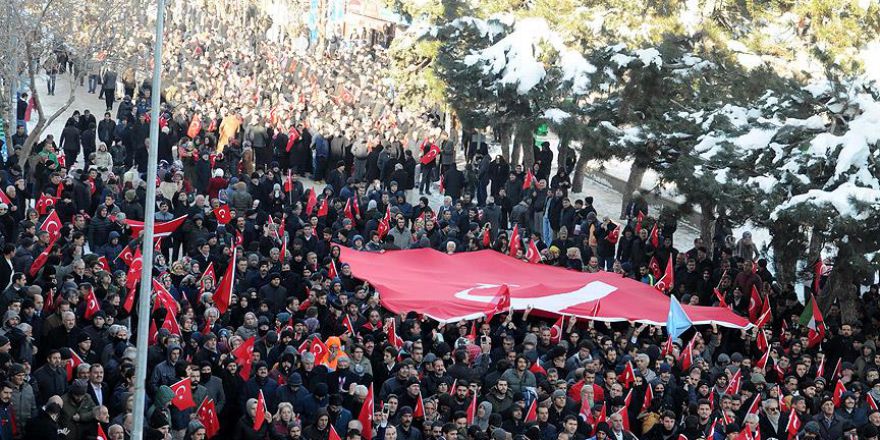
<point>25,403</point>
<point>402,239</point>
<point>447,152</point>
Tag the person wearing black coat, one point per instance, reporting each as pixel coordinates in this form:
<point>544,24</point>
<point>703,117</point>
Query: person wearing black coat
<point>106,128</point>
<point>88,141</point>
<point>71,138</point>
<point>453,182</point>
<point>409,165</point>
<point>44,426</point>
<point>372,166</point>
<point>245,429</point>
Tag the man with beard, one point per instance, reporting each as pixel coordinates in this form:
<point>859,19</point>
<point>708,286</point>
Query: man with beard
<point>773,423</point>
<point>261,382</point>
<point>406,430</point>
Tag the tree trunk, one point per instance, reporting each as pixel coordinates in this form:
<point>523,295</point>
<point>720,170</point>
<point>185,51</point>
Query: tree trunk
<point>786,243</point>
<point>502,133</point>
<point>516,153</point>
<point>707,222</point>
<point>580,169</point>
<point>841,287</point>
<point>817,242</point>
<point>527,145</point>
<point>43,121</point>
<point>633,182</point>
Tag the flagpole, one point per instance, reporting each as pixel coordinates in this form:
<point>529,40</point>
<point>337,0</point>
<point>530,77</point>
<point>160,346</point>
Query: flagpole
<point>140,397</point>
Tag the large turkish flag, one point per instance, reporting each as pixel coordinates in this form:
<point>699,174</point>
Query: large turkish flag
<point>451,288</point>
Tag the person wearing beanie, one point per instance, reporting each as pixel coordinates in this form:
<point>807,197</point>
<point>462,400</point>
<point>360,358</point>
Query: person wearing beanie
<point>830,424</point>
<point>195,431</point>
<point>77,409</point>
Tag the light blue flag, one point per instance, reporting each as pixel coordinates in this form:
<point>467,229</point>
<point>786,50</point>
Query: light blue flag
<point>677,322</point>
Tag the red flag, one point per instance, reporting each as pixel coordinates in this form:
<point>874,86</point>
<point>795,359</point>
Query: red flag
<point>838,370</point>
<point>556,330</point>
<point>585,412</point>
<point>419,410</point>
<point>686,356</point>
<point>667,282</point>
<point>820,371</point>
<point>333,435</point>
<point>655,236</point>
<point>349,327</point>
<point>613,235</point>
<point>45,202</point>
<point>127,255</point>
<point>92,304</point>
<point>765,316</point>
<point>224,290</point>
<point>472,410</point>
<point>4,198</point>
<point>755,406</point>
<point>223,214</point>
<point>532,253</point>
<point>164,298</point>
<point>628,376</point>
<point>324,209</point>
<point>472,336</point>
<point>161,229</point>
<point>668,349</point>
<point>871,402</point>
<point>442,185</point>
<point>432,154</point>
<point>312,202</point>
<point>794,425</point>
<point>654,267</point>
<point>52,225</point>
<point>536,368</point>
<point>499,304</point>
<point>839,389</point>
<point>761,341</point>
<point>624,414</point>
<point>487,238</point>
<point>452,388</point>
<point>40,261</point>
<point>183,398</point>
<point>260,415</point>
<point>639,219</point>
<point>393,339</point>
<point>819,270</point>
<point>71,364</point>
<point>171,324</point>
<point>129,300</point>
<point>49,304</point>
<point>207,414</point>
<point>100,435</point>
<point>134,270</point>
<point>244,358</point>
<point>762,363</point>
<point>320,350</point>
<point>682,437</point>
<point>602,418</point>
<point>332,272</point>
<point>532,414</point>
<point>755,304</point>
<point>366,414</point>
<point>208,273</point>
<point>649,397</point>
<point>105,265</point>
<point>816,325</point>
<point>384,224</point>
<point>288,183</point>
<point>720,296</point>
<point>515,241</point>
<point>349,214</point>
<point>735,383</point>
<point>528,180</point>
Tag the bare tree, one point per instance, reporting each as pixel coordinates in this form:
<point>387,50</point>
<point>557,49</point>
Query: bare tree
<point>31,32</point>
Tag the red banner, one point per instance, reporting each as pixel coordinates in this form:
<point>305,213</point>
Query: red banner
<point>450,288</point>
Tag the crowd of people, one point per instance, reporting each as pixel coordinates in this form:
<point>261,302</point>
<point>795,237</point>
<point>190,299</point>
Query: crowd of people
<point>273,157</point>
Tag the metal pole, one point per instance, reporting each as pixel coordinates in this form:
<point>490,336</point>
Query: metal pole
<point>147,251</point>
